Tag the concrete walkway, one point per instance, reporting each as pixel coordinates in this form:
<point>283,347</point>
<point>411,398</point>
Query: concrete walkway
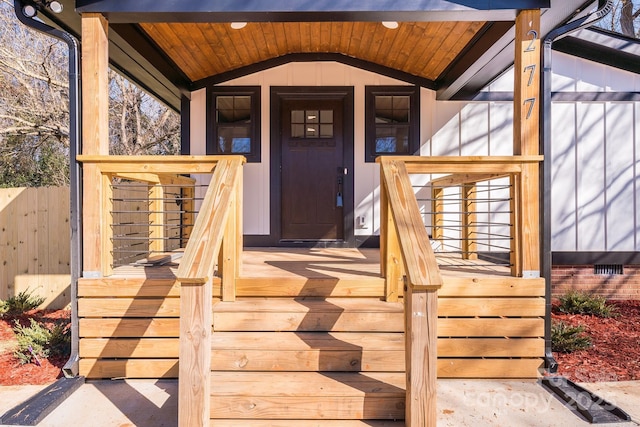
<point>460,403</point>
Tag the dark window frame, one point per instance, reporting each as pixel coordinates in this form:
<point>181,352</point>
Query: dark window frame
<point>370,119</point>
<point>254,156</point>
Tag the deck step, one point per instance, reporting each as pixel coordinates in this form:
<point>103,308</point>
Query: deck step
<point>308,351</point>
<point>299,286</point>
<point>308,395</point>
<point>302,314</point>
<point>305,423</point>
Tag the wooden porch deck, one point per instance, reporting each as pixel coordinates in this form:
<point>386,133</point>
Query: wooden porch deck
<point>317,263</point>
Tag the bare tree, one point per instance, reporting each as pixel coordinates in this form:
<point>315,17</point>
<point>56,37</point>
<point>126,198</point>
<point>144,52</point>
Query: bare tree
<point>138,123</point>
<point>622,19</point>
<point>627,18</point>
<point>34,111</point>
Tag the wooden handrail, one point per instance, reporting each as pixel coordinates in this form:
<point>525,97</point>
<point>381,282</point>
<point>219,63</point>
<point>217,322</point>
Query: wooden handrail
<point>155,164</point>
<point>201,253</point>
<point>458,179</point>
<point>403,231</point>
<point>419,260</point>
<point>218,213</point>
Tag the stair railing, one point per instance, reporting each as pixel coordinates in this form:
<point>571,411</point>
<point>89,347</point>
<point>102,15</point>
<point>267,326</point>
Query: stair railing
<point>405,247</point>
<point>406,251</point>
<point>216,239</point>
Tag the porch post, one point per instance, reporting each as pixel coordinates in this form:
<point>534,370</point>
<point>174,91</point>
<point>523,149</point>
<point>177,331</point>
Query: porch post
<point>527,137</point>
<point>95,137</point>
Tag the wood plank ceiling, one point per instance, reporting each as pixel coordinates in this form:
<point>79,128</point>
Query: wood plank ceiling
<point>423,49</point>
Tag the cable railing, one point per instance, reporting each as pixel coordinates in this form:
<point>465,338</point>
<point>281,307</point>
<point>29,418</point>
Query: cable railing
<point>146,205</point>
<point>479,208</point>
<point>150,219</point>
<point>473,221</point>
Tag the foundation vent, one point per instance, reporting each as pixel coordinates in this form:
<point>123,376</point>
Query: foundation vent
<point>608,269</point>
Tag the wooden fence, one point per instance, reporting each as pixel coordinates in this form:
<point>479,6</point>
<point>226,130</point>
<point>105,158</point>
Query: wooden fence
<point>35,243</point>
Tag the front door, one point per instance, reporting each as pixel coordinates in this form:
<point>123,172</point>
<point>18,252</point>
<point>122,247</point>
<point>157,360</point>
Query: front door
<point>312,170</point>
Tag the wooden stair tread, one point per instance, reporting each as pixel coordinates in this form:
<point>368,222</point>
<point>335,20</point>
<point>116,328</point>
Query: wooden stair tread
<point>298,341</point>
<point>304,423</point>
<point>301,286</point>
<point>302,305</point>
<point>308,384</point>
<point>307,351</point>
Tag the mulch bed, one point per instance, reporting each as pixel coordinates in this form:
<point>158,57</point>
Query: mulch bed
<point>615,351</point>
<point>14,373</point>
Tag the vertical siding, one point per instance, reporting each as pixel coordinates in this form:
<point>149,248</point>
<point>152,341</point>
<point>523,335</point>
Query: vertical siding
<point>619,177</point>
<point>590,177</point>
<point>595,155</point>
<point>594,191</point>
<point>563,178</point>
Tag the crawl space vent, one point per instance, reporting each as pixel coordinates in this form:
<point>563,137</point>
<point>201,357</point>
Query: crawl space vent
<point>607,269</point>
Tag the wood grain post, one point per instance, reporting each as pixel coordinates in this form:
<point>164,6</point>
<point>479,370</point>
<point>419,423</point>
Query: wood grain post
<point>95,137</point>
<point>437,214</point>
<point>390,256</point>
<point>515,206</point>
<point>527,135</point>
<point>228,258</point>
<point>156,218</point>
<point>187,217</point>
<point>106,222</point>
<point>194,390</point>
<point>469,222</point>
<point>421,317</point>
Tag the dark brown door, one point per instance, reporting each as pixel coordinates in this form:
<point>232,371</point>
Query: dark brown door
<point>312,170</point>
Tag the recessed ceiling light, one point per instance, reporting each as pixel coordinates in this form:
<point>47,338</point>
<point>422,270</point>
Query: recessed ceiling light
<point>29,11</point>
<point>56,7</point>
<point>392,25</point>
<point>238,25</point>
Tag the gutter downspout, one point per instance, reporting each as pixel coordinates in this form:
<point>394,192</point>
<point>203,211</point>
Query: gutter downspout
<point>604,7</point>
<point>70,369</point>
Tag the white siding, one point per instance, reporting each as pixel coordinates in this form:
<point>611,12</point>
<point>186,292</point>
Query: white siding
<point>563,178</point>
<point>199,137</point>
<point>619,177</point>
<point>595,152</point>
<point>590,177</point>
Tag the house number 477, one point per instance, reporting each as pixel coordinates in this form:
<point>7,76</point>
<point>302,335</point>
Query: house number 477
<point>531,69</point>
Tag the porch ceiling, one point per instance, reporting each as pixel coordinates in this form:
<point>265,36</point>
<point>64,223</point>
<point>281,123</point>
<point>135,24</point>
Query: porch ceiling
<point>422,49</point>
<point>172,48</point>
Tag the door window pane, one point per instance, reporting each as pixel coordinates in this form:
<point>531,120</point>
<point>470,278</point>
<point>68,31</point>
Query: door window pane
<point>312,124</point>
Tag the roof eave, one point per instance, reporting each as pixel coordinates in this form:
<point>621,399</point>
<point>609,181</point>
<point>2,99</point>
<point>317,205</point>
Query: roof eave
<point>466,83</point>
